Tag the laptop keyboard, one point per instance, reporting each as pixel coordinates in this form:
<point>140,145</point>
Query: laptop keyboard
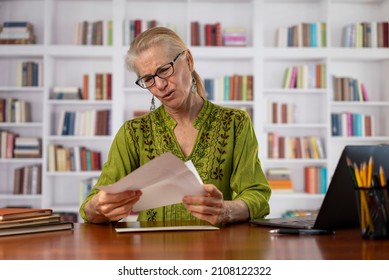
<point>308,220</point>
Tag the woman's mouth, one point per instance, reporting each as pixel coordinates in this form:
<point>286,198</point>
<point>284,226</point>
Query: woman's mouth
<point>168,95</point>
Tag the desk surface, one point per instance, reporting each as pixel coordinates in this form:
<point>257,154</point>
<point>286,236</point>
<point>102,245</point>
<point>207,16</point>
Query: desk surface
<point>239,241</point>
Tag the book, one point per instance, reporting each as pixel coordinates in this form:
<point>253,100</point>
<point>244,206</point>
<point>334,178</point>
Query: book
<point>37,228</point>
<point>8,214</point>
<point>30,221</point>
<point>162,226</point>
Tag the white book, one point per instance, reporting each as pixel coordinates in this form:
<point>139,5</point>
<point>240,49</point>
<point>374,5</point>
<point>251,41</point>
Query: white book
<point>300,35</point>
<point>51,157</point>
<point>374,39</point>
<point>19,74</point>
<point>77,158</point>
<point>60,124</point>
<point>318,35</point>
<point>92,86</point>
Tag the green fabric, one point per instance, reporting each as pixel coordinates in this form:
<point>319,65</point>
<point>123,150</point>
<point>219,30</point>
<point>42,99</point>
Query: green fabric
<point>225,154</point>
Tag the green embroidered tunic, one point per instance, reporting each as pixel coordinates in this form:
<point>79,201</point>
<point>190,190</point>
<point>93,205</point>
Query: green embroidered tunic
<point>225,154</point>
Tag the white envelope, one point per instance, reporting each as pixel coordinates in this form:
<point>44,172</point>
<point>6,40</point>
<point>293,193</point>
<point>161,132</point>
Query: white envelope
<point>163,181</point>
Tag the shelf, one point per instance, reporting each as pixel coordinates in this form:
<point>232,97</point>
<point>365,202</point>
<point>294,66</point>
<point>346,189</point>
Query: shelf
<point>21,160</point>
<point>295,126</point>
<point>359,104</point>
<point>21,196</point>
<point>80,102</point>
<point>78,138</point>
<point>25,124</point>
<point>74,174</point>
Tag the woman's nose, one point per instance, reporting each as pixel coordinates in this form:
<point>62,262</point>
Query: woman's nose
<point>160,83</point>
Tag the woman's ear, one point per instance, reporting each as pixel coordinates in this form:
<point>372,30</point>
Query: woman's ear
<point>189,60</point>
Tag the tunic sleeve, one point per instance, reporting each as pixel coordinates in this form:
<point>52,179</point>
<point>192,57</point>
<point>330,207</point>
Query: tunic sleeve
<point>122,159</point>
<point>248,181</point>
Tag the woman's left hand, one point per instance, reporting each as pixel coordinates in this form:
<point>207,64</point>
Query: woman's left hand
<point>210,207</point>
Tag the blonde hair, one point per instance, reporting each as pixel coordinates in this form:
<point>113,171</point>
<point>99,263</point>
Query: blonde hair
<point>164,38</point>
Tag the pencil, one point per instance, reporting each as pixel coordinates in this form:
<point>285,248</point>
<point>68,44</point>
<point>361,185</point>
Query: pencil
<point>370,168</point>
<point>382,176</point>
<point>352,171</point>
<point>357,175</point>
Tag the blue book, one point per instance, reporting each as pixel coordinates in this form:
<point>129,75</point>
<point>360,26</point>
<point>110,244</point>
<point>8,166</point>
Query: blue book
<point>323,179</point>
<point>15,24</point>
<point>209,86</point>
<point>313,35</point>
<point>66,122</point>
<point>227,88</point>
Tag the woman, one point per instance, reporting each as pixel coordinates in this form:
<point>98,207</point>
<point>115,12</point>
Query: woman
<point>220,142</point>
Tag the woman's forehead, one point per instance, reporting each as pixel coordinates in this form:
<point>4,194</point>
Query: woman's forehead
<point>151,59</point>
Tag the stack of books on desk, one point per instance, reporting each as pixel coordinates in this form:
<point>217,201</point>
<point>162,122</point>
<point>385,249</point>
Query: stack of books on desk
<point>14,221</point>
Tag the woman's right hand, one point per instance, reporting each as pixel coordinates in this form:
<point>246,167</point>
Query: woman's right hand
<point>106,207</point>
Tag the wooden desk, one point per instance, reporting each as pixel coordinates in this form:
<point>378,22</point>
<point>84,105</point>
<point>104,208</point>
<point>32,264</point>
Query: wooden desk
<point>240,241</point>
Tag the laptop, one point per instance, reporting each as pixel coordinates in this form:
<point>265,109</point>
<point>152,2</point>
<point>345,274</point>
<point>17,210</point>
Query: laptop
<point>339,207</point>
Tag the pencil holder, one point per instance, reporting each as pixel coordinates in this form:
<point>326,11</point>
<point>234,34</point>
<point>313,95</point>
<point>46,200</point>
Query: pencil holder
<point>373,211</point>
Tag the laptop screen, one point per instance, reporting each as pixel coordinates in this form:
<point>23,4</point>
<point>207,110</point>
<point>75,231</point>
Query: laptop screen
<point>339,207</point>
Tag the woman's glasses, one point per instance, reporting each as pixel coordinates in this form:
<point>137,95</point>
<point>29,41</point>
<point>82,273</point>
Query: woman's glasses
<point>163,72</point>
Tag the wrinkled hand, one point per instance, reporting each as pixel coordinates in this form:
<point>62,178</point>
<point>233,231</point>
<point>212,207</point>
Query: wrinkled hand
<point>210,207</point>
<point>114,206</point>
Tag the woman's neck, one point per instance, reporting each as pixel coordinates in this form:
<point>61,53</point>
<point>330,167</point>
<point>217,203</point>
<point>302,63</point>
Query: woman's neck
<point>189,111</point>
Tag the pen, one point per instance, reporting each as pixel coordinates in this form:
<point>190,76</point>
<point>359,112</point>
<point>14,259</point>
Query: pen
<point>303,231</point>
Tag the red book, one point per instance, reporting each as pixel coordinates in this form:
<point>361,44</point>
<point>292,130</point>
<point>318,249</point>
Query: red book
<point>218,34</point>
<point>310,179</point>
<point>8,214</point>
<point>83,159</point>
<point>85,88</point>
<point>98,86</point>
<point>138,27</point>
<point>208,34</point>
<point>109,86</point>
<point>368,126</point>
<point>195,33</point>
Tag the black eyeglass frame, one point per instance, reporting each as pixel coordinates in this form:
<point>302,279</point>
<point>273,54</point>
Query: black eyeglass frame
<point>171,63</point>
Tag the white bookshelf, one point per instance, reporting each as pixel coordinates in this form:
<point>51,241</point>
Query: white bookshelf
<point>64,64</point>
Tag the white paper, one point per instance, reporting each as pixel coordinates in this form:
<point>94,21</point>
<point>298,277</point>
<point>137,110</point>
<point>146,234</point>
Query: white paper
<point>163,181</point>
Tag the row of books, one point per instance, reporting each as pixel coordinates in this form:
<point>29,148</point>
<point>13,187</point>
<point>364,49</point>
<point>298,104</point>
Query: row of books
<point>348,89</point>
<point>29,74</point>
<point>305,34</point>
<point>212,34</point>
<point>280,112</point>
<point>305,76</point>
<point>66,93</point>
<point>15,110</point>
<point>279,179</point>
<point>366,35</point>
<point>98,32</point>
<point>97,86</point>
<point>28,179</point>
<point>84,123</point>
<point>64,159</point>
<point>234,87</point>
<point>352,124</point>
<point>17,32</point>
<point>315,179</point>
<point>14,146</point>
<point>289,147</point>
<point>16,221</point>
<point>133,27</point>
